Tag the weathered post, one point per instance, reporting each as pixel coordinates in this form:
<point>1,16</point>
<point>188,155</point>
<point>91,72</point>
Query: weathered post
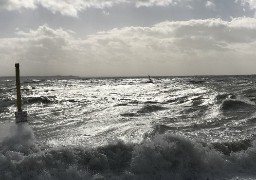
<point>20,116</point>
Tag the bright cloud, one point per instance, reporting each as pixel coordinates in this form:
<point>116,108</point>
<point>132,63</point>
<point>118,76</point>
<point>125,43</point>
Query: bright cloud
<point>17,4</point>
<point>180,47</point>
<point>252,3</point>
<point>140,3</point>
<point>210,4</point>
<point>65,7</point>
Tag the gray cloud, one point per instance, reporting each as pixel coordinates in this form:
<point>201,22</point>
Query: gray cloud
<point>68,8</point>
<point>211,46</point>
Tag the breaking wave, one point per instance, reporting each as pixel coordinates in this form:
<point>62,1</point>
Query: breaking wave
<point>234,146</point>
<point>17,138</point>
<point>223,96</point>
<point>164,156</point>
<point>39,99</point>
<point>235,104</point>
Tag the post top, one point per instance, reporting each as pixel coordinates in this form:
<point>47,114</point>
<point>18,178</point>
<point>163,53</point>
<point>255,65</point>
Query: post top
<point>17,64</point>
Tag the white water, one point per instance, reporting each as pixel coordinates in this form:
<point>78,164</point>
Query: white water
<point>176,128</point>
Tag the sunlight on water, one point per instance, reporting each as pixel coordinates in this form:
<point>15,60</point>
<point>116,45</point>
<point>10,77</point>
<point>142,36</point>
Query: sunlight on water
<point>98,113</point>
<point>102,108</point>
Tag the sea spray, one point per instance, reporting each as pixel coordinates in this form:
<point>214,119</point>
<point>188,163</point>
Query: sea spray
<point>245,161</point>
<point>18,138</point>
<point>16,142</point>
<point>174,157</point>
<point>165,156</point>
<point>5,130</point>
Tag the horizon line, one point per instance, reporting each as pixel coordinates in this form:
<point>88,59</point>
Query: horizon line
<point>131,76</point>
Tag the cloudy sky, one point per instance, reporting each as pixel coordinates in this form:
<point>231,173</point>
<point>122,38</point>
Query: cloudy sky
<point>128,37</point>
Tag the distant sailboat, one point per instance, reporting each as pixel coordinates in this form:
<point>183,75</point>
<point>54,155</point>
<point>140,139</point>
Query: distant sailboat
<point>149,79</point>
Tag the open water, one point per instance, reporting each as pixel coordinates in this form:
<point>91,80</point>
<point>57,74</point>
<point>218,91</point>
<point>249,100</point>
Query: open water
<point>180,128</point>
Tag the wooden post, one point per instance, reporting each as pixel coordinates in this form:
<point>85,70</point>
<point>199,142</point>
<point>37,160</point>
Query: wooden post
<point>17,70</point>
<point>20,116</point>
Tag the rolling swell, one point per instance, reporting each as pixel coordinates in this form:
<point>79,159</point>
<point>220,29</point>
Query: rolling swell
<point>6,103</point>
<point>228,147</point>
<point>250,92</point>
<point>235,104</point>
<point>150,109</point>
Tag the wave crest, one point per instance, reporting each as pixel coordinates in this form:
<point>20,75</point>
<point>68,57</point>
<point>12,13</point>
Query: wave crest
<point>235,104</point>
<point>150,109</point>
<point>40,99</point>
<point>174,157</point>
<point>164,156</point>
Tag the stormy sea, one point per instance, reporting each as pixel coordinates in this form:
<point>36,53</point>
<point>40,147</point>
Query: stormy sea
<point>173,128</point>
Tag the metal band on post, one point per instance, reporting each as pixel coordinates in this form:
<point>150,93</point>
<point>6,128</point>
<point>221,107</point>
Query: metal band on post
<point>20,116</point>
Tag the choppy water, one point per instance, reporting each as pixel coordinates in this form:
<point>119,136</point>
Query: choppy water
<point>125,128</point>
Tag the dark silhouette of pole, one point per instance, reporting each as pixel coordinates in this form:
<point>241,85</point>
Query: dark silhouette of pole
<point>17,69</point>
<point>20,116</point>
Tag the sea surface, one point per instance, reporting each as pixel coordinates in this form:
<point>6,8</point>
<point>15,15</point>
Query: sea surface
<point>176,128</point>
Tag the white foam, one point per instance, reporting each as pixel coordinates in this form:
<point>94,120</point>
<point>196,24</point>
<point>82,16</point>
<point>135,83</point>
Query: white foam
<point>17,137</point>
<point>5,130</point>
